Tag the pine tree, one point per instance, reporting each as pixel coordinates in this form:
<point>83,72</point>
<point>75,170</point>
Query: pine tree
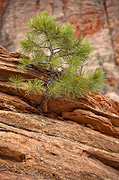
<point>52,45</point>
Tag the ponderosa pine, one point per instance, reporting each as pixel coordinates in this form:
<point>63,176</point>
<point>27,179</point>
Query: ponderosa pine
<point>52,45</point>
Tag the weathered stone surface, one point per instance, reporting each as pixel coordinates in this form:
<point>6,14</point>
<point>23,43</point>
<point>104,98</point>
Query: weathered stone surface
<point>3,5</point>
<point>13,103</point>
<point>54,149</point>
<point>59,146</point>
<point>97,21</point>
<point>5,175</point>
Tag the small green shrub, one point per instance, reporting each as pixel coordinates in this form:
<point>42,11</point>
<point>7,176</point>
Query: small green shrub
<point>52,45</point>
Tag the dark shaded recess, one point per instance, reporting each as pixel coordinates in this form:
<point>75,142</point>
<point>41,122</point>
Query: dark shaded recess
<point>6,153</point>
<point>37,2</point>
<point>3,14</point>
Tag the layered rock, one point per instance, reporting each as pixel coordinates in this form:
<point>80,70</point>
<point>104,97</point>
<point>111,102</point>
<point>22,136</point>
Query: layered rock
<point>69,140</point>
<point>96,20</point>
<point>46,148</point>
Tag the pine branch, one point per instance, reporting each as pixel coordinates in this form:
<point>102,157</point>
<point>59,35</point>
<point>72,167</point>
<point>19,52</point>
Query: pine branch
<point>39,45</point>
<point>69,54</point>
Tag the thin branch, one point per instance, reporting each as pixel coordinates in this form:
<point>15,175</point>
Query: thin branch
<point>39,45</point>
<point>60,43</point>
<point>70,54</point>
<point>51,66</point>
<point>33,80</point>
<point>74,46</point>
<point>44,62</point>
<point>38,63</point>
<point>86,63</point>
<point>56,48</point>
<point>58,51</point>
<point>49,83</point>
<point>45,32</point>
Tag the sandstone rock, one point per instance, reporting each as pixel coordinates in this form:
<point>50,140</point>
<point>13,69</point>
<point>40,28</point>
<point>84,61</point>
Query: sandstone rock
<point>52,149</point>
<point>59,146</point>
<point>5,175</point>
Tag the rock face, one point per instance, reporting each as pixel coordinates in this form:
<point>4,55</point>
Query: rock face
<point>70,140</point>
<point>96,20</point>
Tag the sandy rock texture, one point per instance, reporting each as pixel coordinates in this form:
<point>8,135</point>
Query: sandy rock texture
<point>96,20</point>
<point>70,140</point>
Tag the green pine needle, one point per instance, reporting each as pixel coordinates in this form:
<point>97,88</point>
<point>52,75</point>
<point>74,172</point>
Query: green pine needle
<point>36,86</point>
<point>16,80</point>
<point>54,46</point>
